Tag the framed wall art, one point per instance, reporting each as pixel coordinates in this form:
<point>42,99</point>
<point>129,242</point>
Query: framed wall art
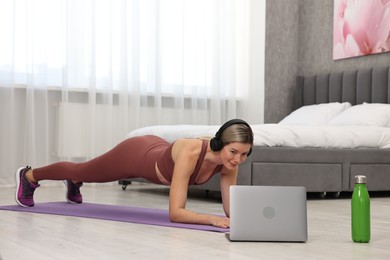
<point>360,27</point>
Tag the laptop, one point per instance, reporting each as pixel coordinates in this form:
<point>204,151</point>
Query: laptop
<point>268,213</point>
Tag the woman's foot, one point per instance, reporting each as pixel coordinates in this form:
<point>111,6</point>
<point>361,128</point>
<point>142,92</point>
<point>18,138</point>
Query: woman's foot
<point>73,194</point>
<point>24,188</point>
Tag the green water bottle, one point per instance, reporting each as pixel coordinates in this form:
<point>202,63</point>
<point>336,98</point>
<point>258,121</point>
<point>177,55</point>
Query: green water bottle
<point>361,227</point>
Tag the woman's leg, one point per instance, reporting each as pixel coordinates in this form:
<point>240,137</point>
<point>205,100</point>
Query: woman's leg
<point>127,159</point>
<point>110,166</point>
<point>114,165</point>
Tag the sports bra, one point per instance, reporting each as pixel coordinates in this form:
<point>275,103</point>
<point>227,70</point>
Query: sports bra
<point>165,165</point>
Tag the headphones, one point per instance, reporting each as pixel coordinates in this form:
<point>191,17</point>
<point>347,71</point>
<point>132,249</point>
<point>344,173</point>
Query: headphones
<point>216,142</point>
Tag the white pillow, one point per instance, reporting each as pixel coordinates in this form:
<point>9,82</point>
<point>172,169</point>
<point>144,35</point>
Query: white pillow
<point>315,115</point>
<point>365,114</point>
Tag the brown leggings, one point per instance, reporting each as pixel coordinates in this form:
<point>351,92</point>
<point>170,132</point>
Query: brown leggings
<point>134,157</point>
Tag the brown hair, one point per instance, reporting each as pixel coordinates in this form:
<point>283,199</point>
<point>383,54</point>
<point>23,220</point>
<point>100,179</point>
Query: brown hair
<point>237,133</point>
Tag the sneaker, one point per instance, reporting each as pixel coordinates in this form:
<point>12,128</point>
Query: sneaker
<point>73,194</point>
<point>24,188</point>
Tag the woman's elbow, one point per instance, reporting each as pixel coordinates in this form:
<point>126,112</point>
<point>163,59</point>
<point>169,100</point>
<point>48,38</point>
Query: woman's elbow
<point>174,217</point>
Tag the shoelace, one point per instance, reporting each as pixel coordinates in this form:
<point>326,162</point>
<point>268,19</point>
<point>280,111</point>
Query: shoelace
<point>74,188</point>
<point>28,190</point>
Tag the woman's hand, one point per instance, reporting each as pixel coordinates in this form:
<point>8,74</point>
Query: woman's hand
<point>222,222</point>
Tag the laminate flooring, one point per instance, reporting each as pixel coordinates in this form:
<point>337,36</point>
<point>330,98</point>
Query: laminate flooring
<point>40,236</point>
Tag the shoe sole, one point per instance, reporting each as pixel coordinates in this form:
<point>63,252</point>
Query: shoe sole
<point>17,179</point>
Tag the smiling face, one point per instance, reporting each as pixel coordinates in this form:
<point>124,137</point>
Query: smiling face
<point>234,154</point>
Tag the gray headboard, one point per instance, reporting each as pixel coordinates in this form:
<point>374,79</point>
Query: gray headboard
<point>370,85</point>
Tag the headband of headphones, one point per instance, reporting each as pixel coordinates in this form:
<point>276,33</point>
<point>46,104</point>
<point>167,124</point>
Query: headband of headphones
<point>216,142</point>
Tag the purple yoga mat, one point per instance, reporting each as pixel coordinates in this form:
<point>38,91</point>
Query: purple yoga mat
<point>158,217</point>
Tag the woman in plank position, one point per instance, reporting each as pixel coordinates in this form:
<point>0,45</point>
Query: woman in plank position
<point>178,165</point>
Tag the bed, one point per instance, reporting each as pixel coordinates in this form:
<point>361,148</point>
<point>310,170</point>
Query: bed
<point>340,128</point>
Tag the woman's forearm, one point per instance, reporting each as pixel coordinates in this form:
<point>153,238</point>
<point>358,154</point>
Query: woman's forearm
<point>187,216</point>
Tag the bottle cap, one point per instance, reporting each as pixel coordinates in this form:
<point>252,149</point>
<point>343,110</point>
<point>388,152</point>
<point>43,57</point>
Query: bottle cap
<point>360,179</point>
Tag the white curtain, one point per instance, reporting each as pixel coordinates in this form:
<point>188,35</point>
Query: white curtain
<point>77,76</point>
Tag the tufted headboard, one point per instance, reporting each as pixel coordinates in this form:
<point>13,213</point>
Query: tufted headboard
<point>370,85</point>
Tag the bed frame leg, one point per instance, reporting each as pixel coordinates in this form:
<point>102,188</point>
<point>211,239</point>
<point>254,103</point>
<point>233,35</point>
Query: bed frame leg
<point>336,194</point>
<point>124,183</point>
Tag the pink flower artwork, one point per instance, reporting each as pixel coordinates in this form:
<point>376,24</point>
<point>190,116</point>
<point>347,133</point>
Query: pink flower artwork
<point>361,27</point>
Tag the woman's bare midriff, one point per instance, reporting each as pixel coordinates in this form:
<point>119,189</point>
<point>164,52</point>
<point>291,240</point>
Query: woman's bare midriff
<point>160,176</point>
<point>199,180</point>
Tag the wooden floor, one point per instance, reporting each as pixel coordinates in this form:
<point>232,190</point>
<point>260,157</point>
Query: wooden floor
<point>39,236</point>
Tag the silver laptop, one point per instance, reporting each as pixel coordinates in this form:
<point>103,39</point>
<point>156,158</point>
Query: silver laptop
<point>268,213</point>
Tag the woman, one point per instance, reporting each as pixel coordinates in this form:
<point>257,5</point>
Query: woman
<point>180,164</point>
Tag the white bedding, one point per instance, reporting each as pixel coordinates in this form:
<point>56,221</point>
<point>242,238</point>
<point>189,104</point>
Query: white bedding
<point>328,125</point>
<point>285,135</point>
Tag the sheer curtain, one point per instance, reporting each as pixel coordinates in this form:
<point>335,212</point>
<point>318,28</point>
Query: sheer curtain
<point>77,76</point>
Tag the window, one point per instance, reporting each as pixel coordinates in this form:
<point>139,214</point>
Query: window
<point>165,46</point>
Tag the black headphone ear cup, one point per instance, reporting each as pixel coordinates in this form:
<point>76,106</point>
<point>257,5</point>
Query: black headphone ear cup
<point>215,144</point>
<point>249,153</point>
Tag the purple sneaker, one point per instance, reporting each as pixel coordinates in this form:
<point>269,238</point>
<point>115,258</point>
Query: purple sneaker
<point>24,188</point>
<point>73,194</point>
